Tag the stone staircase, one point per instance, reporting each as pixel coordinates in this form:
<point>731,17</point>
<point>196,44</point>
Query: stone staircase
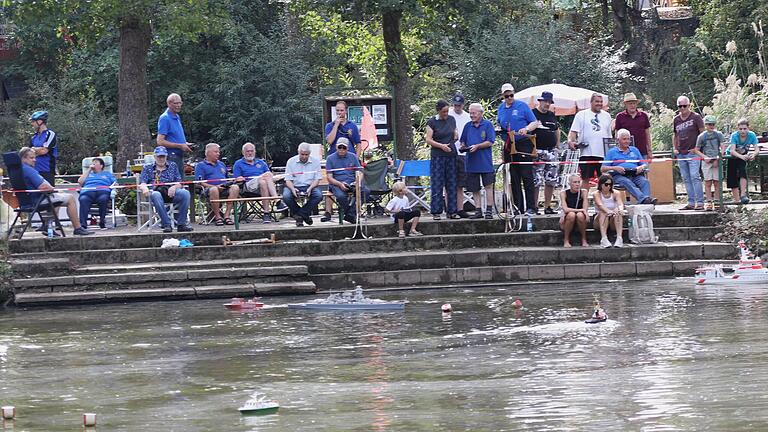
<point>124,267</point>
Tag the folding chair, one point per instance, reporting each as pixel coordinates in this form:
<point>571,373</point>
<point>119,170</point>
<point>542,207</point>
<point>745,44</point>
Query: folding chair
<point>144,206</point>
<point>375,179</point>
<point>414,168</point>
<point>108,167</point>
<point>26,204</point>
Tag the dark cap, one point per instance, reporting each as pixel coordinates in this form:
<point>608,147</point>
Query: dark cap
<point>547,96</point>
<point>458,99</point>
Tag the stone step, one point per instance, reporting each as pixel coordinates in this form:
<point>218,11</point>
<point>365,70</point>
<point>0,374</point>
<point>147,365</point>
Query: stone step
<point>322,232</point>
<point>168,277</point>
<point>427,259</point>
<point>340,247</point>
<point>181,293</point>
<point>470,276</point>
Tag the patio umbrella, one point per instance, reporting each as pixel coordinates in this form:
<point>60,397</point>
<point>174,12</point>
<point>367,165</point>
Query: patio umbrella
<point>568,100</point>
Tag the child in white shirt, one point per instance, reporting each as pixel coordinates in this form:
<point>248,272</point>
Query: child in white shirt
<point>401,211</point>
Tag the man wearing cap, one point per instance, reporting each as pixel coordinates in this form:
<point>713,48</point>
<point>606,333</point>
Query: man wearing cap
<point>637,123</point>
<point>477,140</point>
<point>44,143</point>
<point>213,173</point>
<point>302,175</point>
<point>163,177</point>
<point>630,175</point>
<point>709,145</point>
<point>547,141</point>
<point>688,125</point>
<point>517,121</point>
<point>588,130</point>
<point>341,167</point>
<point>170,132</point>
<point>461,118</point>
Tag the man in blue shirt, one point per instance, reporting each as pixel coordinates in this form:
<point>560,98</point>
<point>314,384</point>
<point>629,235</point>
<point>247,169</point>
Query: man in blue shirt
<point>213,172</point>
<point>170,132</point>
<point>302,175</point>
<point>477,138</point>
<point>621,163</point>
<point>256,177</point>
<point>342,167</point>
<point>517,121</point>
<point>341,127</point>
<point>45,144</point>
<point>95,189</point>
<point>34,181</point>
<point>163,177</point>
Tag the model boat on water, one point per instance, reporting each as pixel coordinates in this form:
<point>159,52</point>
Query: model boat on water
<point>242,304</point>
<point>749,270</point>
<point>349,301</point>
<point>598,313</point>
<point>258,404</point>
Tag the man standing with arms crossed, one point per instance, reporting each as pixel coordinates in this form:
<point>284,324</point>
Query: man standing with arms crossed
<point>170,133</point>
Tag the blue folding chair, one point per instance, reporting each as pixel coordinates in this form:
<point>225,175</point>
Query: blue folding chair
<point>414,168</point>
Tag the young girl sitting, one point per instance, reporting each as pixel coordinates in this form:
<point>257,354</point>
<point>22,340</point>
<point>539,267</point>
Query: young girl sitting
<point>401,211</point>
<point>609,208</point>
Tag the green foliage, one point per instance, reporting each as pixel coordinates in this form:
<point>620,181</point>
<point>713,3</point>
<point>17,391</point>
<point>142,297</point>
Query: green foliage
<point>750,225</point>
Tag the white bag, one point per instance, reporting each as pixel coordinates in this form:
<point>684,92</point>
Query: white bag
<point>641,224</point>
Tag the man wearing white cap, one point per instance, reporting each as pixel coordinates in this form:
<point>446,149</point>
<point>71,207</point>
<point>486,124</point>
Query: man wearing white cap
<point>588,130</point>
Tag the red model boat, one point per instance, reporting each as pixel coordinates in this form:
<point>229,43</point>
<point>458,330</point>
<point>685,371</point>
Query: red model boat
<point>243,304</point>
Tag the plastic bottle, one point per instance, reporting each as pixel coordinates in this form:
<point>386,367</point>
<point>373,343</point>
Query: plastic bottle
<point>529,224</point>
<point>127,168</point>
<point>50,231</point>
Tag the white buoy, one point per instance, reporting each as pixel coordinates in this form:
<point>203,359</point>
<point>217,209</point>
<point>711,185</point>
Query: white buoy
<point>9,412</point>
<point>89,419</point>
<point>446,308</point>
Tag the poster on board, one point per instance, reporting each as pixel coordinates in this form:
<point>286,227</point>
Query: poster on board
<point>379,114</point>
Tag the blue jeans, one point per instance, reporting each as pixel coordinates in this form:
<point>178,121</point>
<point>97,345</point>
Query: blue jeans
<point>690,171</point>
<point>345,204</point>
<point>442,174</point>
<point>637,186</point>
<point>180,201</point>
<point>88,198</point>
<point>306,210</point>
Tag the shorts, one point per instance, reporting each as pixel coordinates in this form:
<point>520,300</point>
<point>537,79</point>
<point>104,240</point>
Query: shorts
<point>406,215</point>
<point>711,170</point>
<point>474,180</point>
<point>60,198</point>
<point>590,170</point>
<point>461,173</point>
<point>223,194</point>
<point>252,186</point>
<point>547,174</point>
<point>737,169</point>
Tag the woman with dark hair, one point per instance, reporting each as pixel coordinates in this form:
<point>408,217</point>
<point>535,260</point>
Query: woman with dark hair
<point>609,208</point>
<point>95,190</point>
<point>573,202</point>
<point>441,134</point>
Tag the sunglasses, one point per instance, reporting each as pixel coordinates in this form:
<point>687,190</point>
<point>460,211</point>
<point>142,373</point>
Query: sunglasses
<point>607,184</point>
<point>509,96</point>
<point>341,146</point>
<point>682,106</point>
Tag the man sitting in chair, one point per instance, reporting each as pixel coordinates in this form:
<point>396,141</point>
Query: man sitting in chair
<point>34,181</point>
<point>256,177</point>
<point>163,176</point>
<point>95,183</point>
<point>211,170</point>
<point>629,175</point>
<point>302,175</point>
<point>342,167</point>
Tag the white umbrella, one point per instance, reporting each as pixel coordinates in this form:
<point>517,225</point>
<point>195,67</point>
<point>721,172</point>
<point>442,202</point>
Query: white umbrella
<point>568,100</point>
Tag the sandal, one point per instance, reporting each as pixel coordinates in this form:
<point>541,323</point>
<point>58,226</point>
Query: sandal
<point>401,234</point>
<point>416,233</point>
<point>454,216</point>
<point>228,221</point>
<point>218,222</point>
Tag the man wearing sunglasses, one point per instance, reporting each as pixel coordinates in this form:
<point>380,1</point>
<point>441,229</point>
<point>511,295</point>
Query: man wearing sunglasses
<point>622,162</point>
<point>687,127</point>
<point>587,132</point>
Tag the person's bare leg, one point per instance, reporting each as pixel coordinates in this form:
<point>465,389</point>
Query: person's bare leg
<point>476,196</point>
<point>707,190</point>
<point>72,213</point>
<point>213,194</point>
<point>401,224</point>
<point>488,196</point>
<point>743,184</point>
<point>735,194</point>
<point>459,198</point>
<point>234,193</point>
<point>414,223</point>
<point>329,205</point>
<point>618,222</point>
<point>265,192</point>
<point>536,190</point>
<point>602,223</point>
<point>568,221</point>
<point>581,224</point>
<point>548,191</point>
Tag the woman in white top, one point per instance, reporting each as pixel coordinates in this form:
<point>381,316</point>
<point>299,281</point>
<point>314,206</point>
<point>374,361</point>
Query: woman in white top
<point>401,211</point>
<point>608,208</point>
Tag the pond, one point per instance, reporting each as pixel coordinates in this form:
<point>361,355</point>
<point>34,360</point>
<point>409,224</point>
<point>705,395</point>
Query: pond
<point>671,357</point>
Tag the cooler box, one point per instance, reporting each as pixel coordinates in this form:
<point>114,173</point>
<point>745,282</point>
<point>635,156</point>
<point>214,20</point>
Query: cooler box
<point>662,181</point>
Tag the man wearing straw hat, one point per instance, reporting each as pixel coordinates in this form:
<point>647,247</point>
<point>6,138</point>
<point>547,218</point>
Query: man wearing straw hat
<point>637,123</point>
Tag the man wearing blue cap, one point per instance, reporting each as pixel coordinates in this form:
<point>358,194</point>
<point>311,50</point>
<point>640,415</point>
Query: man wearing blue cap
<point>163,177</point>
<point>44,143</point>
<point>547,140</point>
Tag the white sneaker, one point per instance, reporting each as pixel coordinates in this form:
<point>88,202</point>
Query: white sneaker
<point>605,243</point>
<point>619,242</point>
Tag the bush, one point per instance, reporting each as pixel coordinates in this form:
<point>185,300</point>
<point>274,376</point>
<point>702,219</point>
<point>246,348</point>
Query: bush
<point>749,225</point>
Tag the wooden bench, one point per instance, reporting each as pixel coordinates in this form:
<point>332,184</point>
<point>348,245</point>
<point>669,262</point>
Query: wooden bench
<point>239,202</point>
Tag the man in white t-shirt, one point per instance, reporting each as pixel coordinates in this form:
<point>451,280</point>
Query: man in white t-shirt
<point>587,132</point>
<point>462,118</point>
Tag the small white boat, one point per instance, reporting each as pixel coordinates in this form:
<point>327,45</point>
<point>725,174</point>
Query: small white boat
<point>749,270</point>
<point>349,301</point>
<point>258,404</point>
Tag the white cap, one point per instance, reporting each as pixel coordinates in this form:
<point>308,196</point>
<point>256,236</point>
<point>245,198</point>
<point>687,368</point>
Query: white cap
<point>507,87</point>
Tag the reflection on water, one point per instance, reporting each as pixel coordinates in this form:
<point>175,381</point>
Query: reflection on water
<point>671,357</point>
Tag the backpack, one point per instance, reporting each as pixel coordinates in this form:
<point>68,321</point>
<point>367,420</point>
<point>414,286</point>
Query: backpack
<point>641,224</point>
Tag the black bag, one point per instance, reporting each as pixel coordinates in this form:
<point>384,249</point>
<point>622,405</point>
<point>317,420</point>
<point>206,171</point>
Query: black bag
<point>164,192</point>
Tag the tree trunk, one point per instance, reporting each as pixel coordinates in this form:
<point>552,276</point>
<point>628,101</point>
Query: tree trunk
<point>397,77</point>
<point>132,106</point>
<point>621,28</point>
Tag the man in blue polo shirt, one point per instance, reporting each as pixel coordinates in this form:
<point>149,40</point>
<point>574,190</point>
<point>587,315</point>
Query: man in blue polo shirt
<point>477,139</point>
<point>256,178</point>
<point>517,121</point>
<point>44,143</point>
<point>622,163</point>
<point>341,127</point>
<point>341,167</point>
<point>212,171</point>
<point>170,132</point>
<point>164,179</point>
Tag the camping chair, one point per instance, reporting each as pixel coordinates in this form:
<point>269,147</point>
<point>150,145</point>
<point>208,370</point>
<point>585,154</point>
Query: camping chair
<point>108,167</point>
<point>414,168</point>
<point>25,204</point>
<point>144,206</point>
<point>375,178</point>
